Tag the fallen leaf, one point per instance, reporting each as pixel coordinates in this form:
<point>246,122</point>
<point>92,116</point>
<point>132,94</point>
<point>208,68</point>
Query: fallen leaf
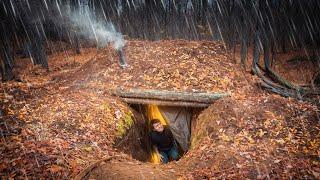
<point>55,168</point>
<point>277,161</point>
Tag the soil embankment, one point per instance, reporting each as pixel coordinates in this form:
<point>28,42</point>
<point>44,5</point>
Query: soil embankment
<point>55,124</point>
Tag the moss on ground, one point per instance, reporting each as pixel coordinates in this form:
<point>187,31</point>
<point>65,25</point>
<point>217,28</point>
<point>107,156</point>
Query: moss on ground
<point>124,124</point>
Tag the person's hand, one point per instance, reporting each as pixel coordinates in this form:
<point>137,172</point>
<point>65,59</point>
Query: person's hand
<point>161,157</point>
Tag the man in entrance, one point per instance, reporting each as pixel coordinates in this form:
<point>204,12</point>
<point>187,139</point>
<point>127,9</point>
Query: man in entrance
<point>162,138</point>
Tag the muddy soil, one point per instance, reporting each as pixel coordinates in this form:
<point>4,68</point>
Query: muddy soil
<point>124,169</point>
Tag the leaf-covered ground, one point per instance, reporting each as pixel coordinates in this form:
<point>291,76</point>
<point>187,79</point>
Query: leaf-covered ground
<point>54,124</point>
<point>174,65</point>
<point>255,137</point>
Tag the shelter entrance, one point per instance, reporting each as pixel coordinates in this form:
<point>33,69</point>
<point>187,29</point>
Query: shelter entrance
<point>179,119</point>
<point>177,110</point>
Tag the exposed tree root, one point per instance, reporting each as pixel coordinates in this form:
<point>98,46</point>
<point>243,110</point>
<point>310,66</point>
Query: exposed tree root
<point>88,169</point>
<point>282,81</point>
<point>283,87</point>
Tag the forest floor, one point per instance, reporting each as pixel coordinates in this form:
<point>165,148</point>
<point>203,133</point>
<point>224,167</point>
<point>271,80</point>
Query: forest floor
<point>55,124</point>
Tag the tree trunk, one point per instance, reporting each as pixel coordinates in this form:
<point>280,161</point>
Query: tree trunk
<point>2,73</point>
<point>244,47</point>
<point>37,42</point>
<point>169,95</point>
<point>6,53</point>
<point>76,43</point>
<point>256,51</point>
<point>165,103</point>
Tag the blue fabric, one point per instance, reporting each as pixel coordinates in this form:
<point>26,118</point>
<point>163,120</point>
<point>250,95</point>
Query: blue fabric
<point>169,154</point>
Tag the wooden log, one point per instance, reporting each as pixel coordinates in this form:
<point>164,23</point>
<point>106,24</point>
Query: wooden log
<point>165,95</point>
<point>165,103</point>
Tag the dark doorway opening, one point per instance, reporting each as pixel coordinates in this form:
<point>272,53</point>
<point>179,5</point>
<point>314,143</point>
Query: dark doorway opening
<point>180,120</point>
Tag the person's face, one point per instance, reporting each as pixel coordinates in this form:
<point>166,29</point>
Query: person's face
<point>158,127</point>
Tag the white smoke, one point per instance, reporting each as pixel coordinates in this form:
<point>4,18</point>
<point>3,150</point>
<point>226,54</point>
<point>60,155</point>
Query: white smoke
<point>102,32</point>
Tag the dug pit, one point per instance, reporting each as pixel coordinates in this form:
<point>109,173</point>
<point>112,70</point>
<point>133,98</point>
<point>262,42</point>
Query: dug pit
<point>178,110</point>
<point>180,120</point>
